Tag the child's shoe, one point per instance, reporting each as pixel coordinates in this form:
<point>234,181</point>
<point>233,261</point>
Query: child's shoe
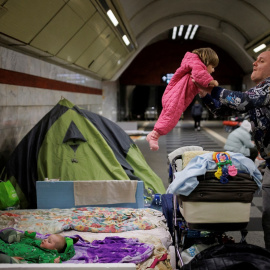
<point>152,139</point>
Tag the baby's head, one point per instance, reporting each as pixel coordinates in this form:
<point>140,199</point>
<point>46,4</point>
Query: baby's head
<point>54,241</point>
<point>207,56</point>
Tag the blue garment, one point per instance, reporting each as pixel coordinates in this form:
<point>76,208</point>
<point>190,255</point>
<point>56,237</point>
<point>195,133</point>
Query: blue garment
<point>185,181</point>
<point>196,109</point>
<point>239,141</point>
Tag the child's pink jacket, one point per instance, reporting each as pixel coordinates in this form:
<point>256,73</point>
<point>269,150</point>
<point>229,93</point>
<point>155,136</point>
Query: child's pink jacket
<point>181,91</point>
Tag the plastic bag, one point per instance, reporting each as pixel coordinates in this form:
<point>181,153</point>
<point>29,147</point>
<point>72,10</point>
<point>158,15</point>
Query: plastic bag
<point>189,253</point>
<point>8,195</point>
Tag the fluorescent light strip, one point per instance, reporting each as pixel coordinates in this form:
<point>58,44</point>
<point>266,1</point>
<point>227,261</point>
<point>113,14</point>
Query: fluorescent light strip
<point>174,32</point>
<point>259,48</point>
<point>112,17</point>
<point>180,32</point>
<point>188,31</point>
<point>194,31</point>
<point>126,40</point>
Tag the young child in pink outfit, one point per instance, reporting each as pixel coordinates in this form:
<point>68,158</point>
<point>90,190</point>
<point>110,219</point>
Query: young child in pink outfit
<point>180,91</point>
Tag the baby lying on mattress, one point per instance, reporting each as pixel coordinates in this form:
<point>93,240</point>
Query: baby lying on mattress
<point>24,247</point>
<point>21,247</point>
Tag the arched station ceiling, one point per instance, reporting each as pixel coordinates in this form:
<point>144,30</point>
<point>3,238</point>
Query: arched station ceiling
<point>78,34</point>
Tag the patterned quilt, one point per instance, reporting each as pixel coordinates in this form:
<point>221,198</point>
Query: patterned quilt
<point>86,219</point>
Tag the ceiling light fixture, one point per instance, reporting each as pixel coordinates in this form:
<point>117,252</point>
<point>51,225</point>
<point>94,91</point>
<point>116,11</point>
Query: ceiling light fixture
<point>112,17</point>
<point>194,31</point>
<point>126,40</point>
<point>180,32</point>
<point>259,48</point>
<point>189,34</point>
<point>120,29</point>
<point>174,32</point>
<point>188,31</point>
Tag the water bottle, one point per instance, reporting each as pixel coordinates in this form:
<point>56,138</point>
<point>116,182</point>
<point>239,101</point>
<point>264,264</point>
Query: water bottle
<point>147,202</point>
<point>157,199</point>
<point>148,197</point>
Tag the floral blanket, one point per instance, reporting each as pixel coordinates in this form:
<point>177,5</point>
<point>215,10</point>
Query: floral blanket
<point>86,219</point>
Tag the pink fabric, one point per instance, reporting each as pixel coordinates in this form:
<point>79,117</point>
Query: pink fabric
<point>180,91</point>
<point>156,260</point>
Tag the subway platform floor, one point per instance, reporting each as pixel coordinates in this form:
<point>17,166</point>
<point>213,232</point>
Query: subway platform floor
<point>211,137</point>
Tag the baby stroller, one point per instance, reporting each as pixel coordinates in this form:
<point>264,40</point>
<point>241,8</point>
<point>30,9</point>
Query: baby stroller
<point>213,208</point>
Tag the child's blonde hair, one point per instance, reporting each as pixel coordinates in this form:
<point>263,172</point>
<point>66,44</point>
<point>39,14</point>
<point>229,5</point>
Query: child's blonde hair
<point>207,56</point>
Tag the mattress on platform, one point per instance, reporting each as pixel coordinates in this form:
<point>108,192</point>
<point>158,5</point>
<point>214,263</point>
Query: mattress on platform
<point>50,266</point>
<point>58,213</point>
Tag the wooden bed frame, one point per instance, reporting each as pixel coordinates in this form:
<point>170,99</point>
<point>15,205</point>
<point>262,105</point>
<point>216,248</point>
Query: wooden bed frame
<point>52,266</point>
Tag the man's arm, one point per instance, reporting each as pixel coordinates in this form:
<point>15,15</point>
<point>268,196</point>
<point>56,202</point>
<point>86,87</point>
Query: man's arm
<point>214,105</point>
<point>243,101</point>
<point>258,96</point>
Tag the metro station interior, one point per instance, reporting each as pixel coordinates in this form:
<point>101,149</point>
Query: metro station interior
<point>116,57</point>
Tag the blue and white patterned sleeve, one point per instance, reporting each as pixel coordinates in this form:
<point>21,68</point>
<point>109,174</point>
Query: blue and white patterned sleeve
<point>224,102</point>
<point>258,96</point>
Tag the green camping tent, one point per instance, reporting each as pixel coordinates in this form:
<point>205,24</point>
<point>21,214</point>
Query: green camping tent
<point>71,143</point>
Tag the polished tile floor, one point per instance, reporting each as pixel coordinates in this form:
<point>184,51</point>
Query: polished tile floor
<point>211,137</point>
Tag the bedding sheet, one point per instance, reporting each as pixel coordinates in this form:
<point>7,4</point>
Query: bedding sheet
<point>112,249</point>
<point>86,219</point>
<point>159,237</point>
